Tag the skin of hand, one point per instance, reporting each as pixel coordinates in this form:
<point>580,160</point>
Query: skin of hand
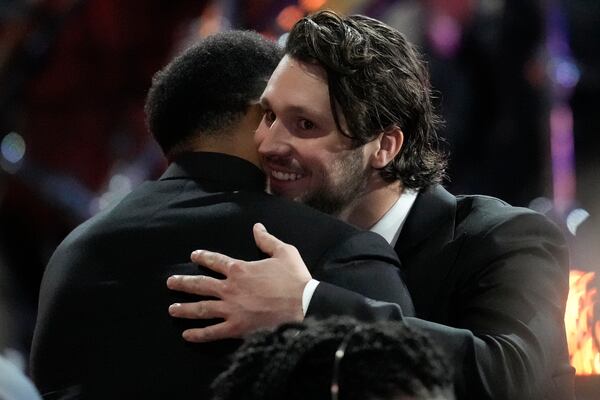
<point>254,295</point>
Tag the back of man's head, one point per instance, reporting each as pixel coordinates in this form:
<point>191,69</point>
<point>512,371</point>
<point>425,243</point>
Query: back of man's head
<point>379,81</point>
<point>384,360</point>
<point>209,87</point>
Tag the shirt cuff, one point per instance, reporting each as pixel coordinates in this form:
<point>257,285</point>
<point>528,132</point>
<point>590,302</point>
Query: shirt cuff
<point>307,295</point>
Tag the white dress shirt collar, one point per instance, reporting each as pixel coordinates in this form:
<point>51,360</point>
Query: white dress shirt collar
<point>390,225</point>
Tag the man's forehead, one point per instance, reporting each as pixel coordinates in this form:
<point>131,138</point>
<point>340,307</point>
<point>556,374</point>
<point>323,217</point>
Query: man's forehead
<point>298,85</point>
<point>290,67</point>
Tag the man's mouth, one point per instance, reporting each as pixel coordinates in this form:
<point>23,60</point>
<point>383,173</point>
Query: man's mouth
<point>286,176</point>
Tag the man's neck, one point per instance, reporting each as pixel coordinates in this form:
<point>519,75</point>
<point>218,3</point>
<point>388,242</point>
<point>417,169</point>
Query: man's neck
<point>368,208</point>
<point>236,142</point>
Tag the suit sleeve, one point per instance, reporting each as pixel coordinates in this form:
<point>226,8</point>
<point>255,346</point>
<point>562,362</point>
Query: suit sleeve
<point>60,320</point>
<point>508,319</point>
<point>360,277</point>
<point>507,328</point>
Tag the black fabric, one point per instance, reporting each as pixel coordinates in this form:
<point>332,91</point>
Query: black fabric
<point>103,324</point>
<point>489,283</point>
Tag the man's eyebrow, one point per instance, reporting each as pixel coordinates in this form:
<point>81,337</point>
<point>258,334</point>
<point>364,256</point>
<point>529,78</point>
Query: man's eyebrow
<point>304,110</point>
<point>264,103</point>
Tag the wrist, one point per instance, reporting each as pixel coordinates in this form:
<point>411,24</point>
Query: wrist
<point>307,294</point>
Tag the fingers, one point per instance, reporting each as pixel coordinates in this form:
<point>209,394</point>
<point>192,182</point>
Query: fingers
<point>223,330</point>
<point>215,261</point>
<point>206,309</point>
<point>266,242</point>
<point>196,284</point>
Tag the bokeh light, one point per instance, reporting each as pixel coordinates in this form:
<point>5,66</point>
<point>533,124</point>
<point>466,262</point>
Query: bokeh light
<point>542,205</point>
<point>312,5</point>
<point>13,148</point>
<point>566,74</point>
<point>289,16</point>
<point>576,218</point>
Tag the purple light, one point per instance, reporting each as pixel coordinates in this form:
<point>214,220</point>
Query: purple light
<point>563,167</point>
<point>566,74</point>
<point>445,35</point>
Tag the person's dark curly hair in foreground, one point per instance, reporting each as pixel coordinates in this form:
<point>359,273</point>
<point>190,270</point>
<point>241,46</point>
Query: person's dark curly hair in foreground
<point>383,360</point>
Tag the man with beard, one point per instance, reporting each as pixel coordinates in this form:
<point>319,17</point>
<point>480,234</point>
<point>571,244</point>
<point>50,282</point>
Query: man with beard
<point>104,285</point>
<point>349,128</point>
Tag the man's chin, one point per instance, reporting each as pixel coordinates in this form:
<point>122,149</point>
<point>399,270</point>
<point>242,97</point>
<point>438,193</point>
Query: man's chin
<point>326,204</point>
<point>285,194</point>
<point>320,203</point>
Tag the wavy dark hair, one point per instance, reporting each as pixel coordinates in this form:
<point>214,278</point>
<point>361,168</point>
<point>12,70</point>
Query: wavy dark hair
<point>379,80</point>
<point>382,360</point>
<point>209,86</point>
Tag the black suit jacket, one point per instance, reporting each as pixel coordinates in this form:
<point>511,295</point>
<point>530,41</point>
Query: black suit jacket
<point>103,328</point>
<point>489,283</point>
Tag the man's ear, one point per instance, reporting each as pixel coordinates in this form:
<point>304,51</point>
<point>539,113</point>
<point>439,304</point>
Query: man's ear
<point>389,143</point>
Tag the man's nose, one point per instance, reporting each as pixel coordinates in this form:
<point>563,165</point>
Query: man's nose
<point>276,139</point>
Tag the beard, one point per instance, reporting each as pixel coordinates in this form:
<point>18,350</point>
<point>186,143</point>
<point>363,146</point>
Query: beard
<point>332,199</point>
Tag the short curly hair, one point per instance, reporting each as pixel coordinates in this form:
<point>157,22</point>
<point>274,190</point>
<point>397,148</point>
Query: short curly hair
<point>382,360</point>
<point>379,81</point>
<point>209,87</point>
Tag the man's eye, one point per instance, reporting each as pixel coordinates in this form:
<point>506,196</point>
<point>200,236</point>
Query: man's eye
<point>269,117</point>
<point>306,124</point>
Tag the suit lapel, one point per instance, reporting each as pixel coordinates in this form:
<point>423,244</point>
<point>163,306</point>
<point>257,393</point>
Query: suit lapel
<point>432,218</point>
<point>422,247</point>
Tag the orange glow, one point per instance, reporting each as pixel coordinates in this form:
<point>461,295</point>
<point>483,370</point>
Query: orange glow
<point>289,16</point>
<point>312,5</point>
<point>582,326</point>
<point>211,20</point>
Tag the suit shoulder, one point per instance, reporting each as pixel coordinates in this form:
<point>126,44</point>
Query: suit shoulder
<point>297,215</point>
<point>364,245</point>
<point>128,214</point>
<point>108,229</point>
<point>491,228</point>
<point>482,215</point>
<point>316,235</point>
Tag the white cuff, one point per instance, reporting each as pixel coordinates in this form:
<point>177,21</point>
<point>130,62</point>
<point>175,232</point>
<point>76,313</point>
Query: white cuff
<point>307,295</point>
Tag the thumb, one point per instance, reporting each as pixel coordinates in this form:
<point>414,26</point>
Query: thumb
<point>266,242</point>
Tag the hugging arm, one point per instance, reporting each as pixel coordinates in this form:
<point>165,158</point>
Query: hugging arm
<point>506,334</point>
<point>266,293</point>
<point>507,337</point>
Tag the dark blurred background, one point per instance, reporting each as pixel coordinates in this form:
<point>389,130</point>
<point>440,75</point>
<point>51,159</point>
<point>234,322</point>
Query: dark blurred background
<point>518,84</point>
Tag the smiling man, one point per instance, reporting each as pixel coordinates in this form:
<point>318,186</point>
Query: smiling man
<point>103,330</point>
<point>325,170</point>
<point>303,153</point>
<point>349,128</point>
